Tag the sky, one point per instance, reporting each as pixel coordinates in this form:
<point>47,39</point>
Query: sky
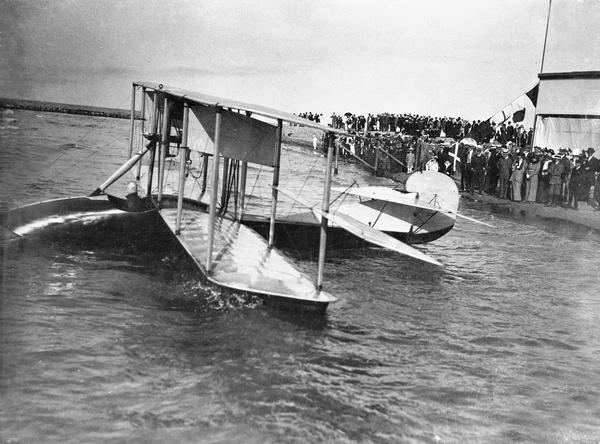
<point>466,58</point>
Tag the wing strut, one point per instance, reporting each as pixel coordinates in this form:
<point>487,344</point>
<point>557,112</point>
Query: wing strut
<point>122,170</point>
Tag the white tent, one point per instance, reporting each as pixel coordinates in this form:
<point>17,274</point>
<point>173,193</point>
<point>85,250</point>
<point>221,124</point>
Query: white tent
<point>568,102</point>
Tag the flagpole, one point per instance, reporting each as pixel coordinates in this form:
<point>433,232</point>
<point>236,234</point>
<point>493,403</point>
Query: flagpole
<point>546,36</point>
<point>541,69</point>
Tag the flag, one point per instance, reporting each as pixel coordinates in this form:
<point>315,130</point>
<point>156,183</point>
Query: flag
<point>533,94</point>
<point>518,116</point>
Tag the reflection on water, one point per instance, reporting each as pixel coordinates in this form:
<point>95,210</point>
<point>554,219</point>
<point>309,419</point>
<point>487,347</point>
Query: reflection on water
<point>105,337</point>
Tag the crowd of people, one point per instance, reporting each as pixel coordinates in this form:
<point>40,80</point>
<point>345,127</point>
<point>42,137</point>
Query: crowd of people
<point>482,131</point>
<point>394,153</point>
<point>313,117</point>
<point>492,159</point>
<point>561,178</point>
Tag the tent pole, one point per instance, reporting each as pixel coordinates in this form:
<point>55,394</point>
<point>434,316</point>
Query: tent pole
<point>546,36</point>
<point>132,119</point>
<point>212,209</point>
<point>182,164</point>
<point>535,118</point>
<point>164,148</point>
<point>324,221</point>
<point>276,161</point>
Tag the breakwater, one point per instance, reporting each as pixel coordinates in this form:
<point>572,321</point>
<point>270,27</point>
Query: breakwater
<point>66,108</point>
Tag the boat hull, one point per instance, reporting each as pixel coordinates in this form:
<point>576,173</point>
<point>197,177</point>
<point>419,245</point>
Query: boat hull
<point>305,236</point>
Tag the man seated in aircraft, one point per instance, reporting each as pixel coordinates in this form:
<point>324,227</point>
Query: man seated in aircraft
<point>134,202</point>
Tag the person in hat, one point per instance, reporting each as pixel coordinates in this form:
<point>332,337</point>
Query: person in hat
<point>591,165</point>
<point>576,188</point>
<point>410,161</point>
<point>516,177</point>
<point>478,167</point>
<point>134,202</point>
<point>466,164</point>
<point>446,167</point>
<point>555,172</point>
<point>531,178</point>
<point>432,164</point>
<point>504,170</point>
<point>565,160</point>
<point>543,185</point>
<point>491,170</point>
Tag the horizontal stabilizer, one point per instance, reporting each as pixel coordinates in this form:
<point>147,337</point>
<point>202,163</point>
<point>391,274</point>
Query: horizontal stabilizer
<point>367,233</point>
<point>390,195</point>
<point>375,236</point>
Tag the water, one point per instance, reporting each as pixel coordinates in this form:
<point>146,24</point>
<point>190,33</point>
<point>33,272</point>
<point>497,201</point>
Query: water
<point>103,339</point>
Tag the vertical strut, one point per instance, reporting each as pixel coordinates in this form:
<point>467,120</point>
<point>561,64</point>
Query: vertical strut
<point>213,192</point>
<point>276,161</point>
<point>153,135</point>
<point>164,145</point>
<point>182,163</point>
<point>132,119</point>
<point>324,221</point>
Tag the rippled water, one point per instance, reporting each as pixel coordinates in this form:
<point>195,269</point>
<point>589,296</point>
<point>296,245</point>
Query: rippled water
<point>104,339</point>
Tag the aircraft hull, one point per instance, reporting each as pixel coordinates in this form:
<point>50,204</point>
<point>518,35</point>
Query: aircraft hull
<point>305,236</point>
<point>107,220</point>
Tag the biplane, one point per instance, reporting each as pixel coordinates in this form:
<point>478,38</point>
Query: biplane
<point>232,247</point>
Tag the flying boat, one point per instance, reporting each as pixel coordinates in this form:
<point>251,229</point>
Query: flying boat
<point>206,207</point>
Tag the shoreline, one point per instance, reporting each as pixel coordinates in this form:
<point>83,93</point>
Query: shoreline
<point>585,216</point>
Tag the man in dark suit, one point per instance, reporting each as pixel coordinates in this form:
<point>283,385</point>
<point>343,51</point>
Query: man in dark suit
<point>491,171</point>
<point>504,170</point>
<point>591,169</point>
<point>469,168</point>
<point>478,168</point>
